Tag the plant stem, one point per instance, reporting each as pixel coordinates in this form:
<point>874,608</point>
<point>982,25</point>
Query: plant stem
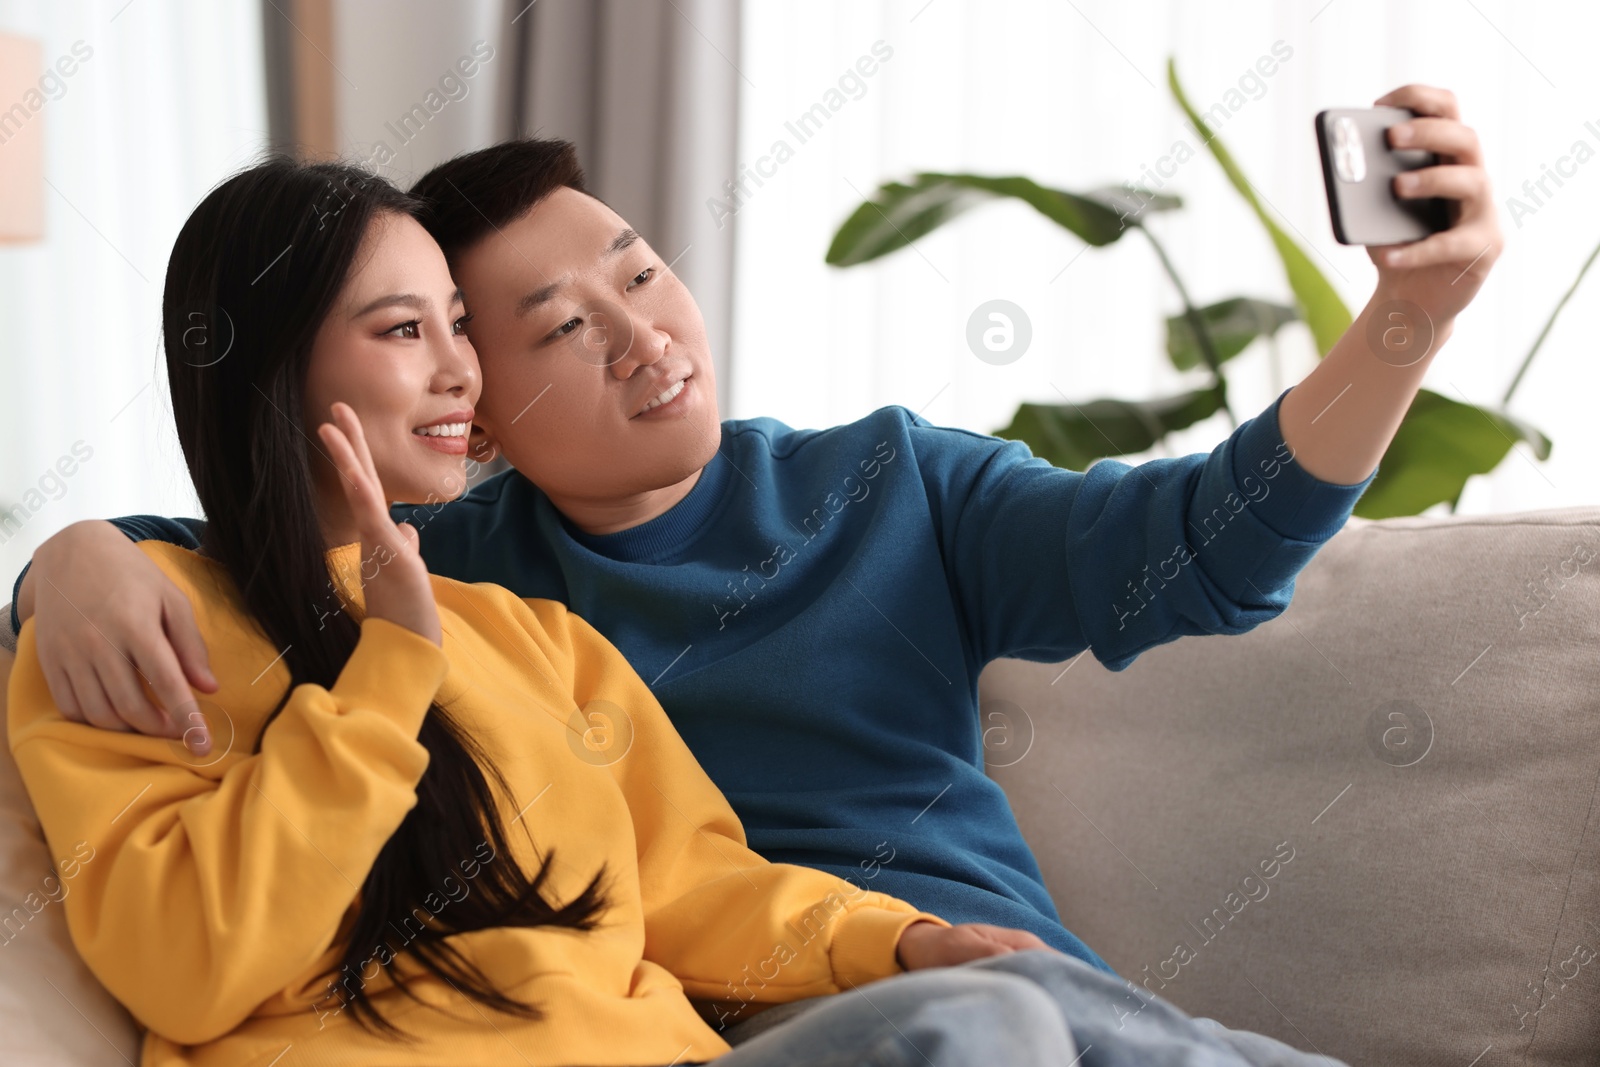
<point>1196,322</point>
<point>1512,388</point>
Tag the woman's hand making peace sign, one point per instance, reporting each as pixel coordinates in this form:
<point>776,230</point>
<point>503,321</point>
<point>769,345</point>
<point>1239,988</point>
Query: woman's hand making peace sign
<point>399,590</point>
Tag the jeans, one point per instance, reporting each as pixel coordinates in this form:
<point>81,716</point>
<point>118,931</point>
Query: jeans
<point>1024,1008</point>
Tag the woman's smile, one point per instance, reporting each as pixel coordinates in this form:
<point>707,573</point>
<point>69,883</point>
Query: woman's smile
<point>447,435</point>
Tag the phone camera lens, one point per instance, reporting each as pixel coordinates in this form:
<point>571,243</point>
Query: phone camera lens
<point>1349,161</point>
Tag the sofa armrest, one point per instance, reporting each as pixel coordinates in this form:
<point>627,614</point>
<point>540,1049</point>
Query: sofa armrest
<point>47,992</point>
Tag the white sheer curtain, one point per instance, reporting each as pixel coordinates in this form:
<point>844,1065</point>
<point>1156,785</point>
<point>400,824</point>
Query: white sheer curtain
<point>168,102</point>
<point>1074,95</point>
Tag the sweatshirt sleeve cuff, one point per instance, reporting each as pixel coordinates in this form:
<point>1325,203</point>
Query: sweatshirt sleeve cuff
<point>16,591</point>
<point>392,668</point>
<point>1285,496</point>
<point>863,949</point>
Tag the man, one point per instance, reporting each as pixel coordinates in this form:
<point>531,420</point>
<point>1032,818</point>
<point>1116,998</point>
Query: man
<point>813,608</point>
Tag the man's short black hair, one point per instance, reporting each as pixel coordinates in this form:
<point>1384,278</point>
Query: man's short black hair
<point>479,192</point>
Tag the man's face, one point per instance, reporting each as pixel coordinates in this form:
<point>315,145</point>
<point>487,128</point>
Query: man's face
<point>579,326</point>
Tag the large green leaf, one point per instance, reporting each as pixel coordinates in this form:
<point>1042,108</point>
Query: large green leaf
<point>1132,203</point>
<point>1232,325</point>
<point>1439,445</point>
<point>898,214</point>
<point>1075,435</point>
<point>1320,305</point>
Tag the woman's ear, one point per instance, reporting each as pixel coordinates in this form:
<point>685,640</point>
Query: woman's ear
<point>481,445</point>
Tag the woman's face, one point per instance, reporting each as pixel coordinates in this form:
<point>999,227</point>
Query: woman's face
<point>394,348</point>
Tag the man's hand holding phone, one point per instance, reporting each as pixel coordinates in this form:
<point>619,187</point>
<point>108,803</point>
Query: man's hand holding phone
<point>1375,368</point>
<point>1440,273</point>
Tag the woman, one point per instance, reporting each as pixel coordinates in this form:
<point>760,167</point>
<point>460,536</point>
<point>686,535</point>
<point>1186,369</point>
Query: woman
<point>441,824</point>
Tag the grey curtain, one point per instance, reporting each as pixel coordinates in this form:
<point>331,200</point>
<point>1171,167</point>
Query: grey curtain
<point>649,92</point>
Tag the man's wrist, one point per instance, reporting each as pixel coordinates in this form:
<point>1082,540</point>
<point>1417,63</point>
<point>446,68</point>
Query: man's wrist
<point>902,939</point>
<point>28,583</point>
<point>1397,296</point>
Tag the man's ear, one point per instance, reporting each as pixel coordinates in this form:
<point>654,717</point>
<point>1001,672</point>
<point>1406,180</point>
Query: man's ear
<point>481,445</point>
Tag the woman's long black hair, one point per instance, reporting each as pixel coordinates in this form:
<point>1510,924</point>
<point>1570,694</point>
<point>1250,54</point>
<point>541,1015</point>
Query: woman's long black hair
<point>253,273</point>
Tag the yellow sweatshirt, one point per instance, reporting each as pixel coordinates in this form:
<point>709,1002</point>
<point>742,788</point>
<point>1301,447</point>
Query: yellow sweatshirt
<point>219,889</point>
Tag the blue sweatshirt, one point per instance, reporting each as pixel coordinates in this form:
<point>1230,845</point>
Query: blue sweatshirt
<point>815,613</point>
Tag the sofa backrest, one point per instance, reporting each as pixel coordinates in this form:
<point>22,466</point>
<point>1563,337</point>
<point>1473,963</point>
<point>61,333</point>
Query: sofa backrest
<point>1369,827</point>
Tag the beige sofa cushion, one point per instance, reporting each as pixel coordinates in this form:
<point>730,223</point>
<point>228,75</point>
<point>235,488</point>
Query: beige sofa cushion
<point>1419,731</point>
<point>53,1011</point>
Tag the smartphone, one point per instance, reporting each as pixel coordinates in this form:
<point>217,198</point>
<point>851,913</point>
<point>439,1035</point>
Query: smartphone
<point>1358,168</point>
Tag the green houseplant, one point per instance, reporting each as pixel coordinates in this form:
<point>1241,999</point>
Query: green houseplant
<point>1440,444</point>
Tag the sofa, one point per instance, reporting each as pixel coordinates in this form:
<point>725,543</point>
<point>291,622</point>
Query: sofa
<point>1367,827</point>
